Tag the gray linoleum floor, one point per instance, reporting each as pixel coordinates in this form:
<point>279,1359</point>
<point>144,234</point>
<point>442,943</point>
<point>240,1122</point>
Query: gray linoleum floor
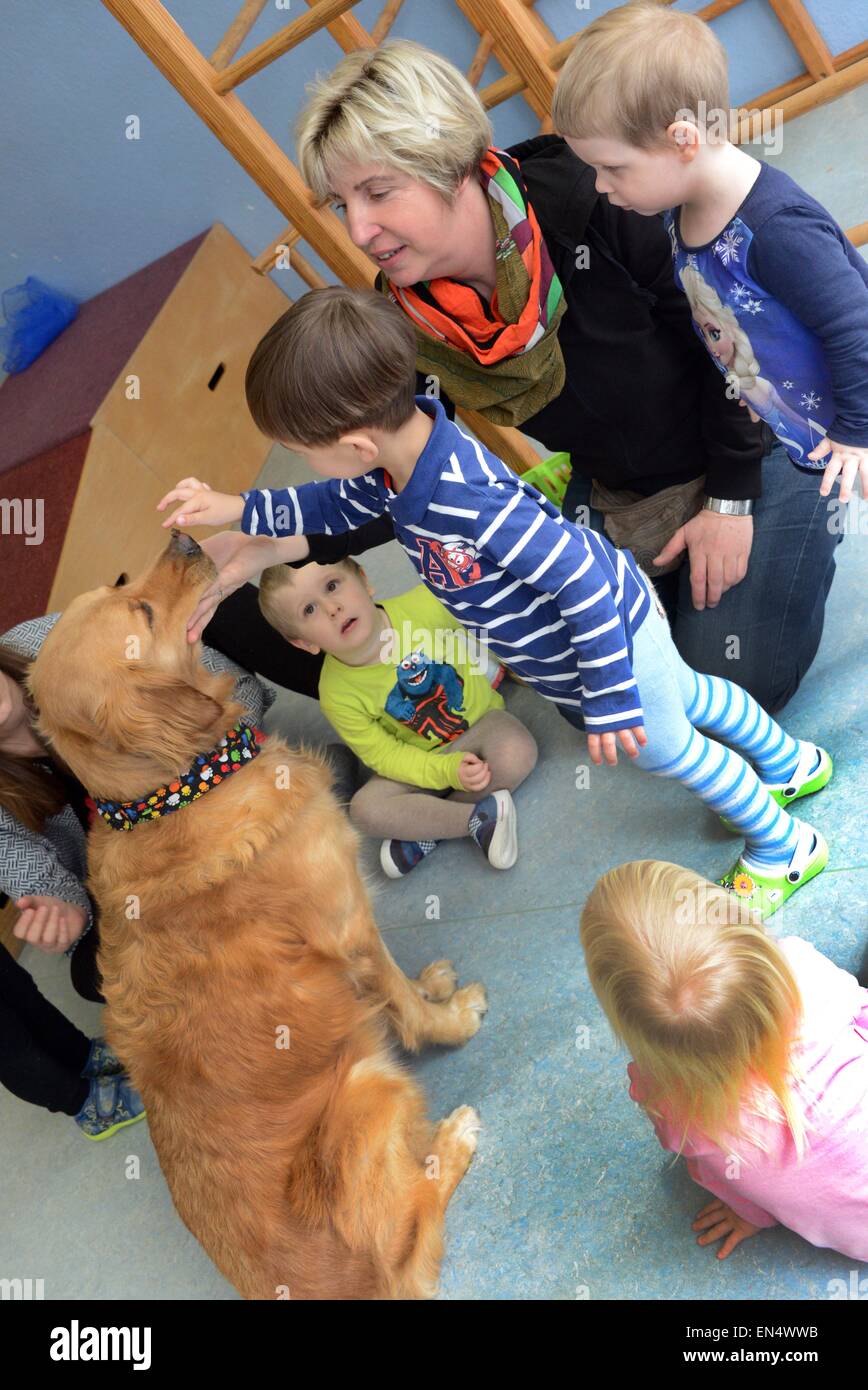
<point>569,1195</point>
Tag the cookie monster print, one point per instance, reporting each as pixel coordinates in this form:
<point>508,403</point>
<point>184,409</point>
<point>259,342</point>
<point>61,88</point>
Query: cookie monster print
<point>428,698</point>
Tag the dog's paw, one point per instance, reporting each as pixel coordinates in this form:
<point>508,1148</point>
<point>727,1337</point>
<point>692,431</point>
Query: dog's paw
<point>461,1128</point>
<point>471,1003</point>
<point>437,981</point>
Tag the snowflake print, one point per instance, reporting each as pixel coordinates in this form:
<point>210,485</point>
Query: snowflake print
<point>740,292</point>
<point>787,385</point>
<point>691,260</point>
<point>810,401</point>
<point>752,306</point>
<point>727,247</point>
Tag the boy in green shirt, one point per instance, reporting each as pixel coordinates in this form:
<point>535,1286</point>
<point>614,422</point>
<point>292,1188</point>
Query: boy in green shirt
<point>405,686</point>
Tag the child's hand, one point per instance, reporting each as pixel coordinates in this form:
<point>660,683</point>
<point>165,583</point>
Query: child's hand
<point>718,1220</point>
<point>201,506</point>
<point>846,459</point>
<point>608,743</point>
<point>475,775</point>
<point>49,923</point>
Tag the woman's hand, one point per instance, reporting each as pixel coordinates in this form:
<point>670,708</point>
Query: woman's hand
<point>718,1220</point>
<point>475,775</point>
<point>200,505</point>
<point>631,741</point>
<point>719,548</point>
<point>49,923</point>
<point>239,558</point>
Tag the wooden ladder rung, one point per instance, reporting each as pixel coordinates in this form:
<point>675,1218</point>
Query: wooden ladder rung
<point>387,18</point>
<point>237,32</point>
<point>265,260</point>
<point>317,17</point>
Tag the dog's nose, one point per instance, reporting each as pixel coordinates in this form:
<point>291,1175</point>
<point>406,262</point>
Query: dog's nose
<point>184,544</point>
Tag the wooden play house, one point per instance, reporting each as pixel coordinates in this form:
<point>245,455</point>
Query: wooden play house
<point>144,386</point>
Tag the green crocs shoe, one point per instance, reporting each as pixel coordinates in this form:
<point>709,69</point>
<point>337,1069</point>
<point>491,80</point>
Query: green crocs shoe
<point>766,894</point>
<point>801,783</point>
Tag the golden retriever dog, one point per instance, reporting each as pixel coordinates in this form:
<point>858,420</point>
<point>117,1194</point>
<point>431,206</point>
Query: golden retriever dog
<point>248,991</point>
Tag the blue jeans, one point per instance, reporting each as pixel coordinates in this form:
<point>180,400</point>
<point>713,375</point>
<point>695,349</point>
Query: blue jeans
<point>777,610</point>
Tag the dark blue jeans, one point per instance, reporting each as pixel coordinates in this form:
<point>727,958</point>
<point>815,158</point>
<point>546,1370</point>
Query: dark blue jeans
<point>777,610</point>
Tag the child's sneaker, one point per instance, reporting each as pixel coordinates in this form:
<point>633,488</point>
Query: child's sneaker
<point>494,827</point>
<point>111,1104</point>
<point>101,1060</point>
<point>811,773</point>
<point>398,857</point>
<point>766,893</point>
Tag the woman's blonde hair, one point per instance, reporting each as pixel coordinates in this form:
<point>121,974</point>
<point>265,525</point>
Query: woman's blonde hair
<point>633,70</point>
<point>400,105</point>
<point>704,302</point>
<point>703,999</point>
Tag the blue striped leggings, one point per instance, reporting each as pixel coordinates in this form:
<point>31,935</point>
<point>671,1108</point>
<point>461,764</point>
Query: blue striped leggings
<point>679,702</point>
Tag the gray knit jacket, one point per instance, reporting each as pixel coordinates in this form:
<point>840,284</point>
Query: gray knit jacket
<point>55,862</point>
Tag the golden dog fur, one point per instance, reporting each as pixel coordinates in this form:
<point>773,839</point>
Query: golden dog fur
<point>307,1171</point>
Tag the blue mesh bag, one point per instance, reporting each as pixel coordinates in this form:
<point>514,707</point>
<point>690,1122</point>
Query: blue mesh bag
<point>35,314</point>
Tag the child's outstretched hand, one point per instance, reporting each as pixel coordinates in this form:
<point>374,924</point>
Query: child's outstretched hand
<point>474,773</point>
<point>606,745</point>
<point>846,459</point>
<point>200,505</point>
<point>718,1220</point>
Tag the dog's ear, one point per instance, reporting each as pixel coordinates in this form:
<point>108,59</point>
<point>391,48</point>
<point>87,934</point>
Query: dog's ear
<point>163,719</point>
<point>121,580</point>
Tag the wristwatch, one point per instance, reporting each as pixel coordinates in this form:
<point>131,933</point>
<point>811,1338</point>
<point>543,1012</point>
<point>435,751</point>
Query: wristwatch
<point>727,507</point>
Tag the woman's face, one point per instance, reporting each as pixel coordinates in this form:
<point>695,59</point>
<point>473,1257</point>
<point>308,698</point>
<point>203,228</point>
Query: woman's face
<point>388,212</point>
<point>717,340</point>
<point>13,711</point>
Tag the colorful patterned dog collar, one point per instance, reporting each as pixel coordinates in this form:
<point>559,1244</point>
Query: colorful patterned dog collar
<point>238,746</point>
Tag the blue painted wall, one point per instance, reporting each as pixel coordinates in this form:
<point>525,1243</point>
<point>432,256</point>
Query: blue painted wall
<point>84,206</point>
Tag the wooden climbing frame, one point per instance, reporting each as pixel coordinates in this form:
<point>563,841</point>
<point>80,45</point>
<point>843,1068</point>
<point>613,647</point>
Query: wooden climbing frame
<point>509,30</point>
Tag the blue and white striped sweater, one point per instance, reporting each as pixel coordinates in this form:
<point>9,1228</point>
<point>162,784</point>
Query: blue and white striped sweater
<point>555,602</point>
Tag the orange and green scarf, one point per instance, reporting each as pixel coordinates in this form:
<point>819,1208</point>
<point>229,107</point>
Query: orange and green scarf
<point>502,359</point>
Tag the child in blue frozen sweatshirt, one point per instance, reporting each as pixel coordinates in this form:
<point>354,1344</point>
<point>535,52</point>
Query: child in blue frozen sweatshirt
<point>557,603</point>
<point>778,293</point>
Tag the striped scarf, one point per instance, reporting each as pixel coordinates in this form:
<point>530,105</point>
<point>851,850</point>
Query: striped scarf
<point>502,359</point>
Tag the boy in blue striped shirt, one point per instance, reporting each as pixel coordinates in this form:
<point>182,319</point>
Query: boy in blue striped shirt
<point>572,616</point>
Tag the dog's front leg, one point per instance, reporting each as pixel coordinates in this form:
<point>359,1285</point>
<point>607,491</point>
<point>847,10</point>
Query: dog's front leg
<point>429,1009</point>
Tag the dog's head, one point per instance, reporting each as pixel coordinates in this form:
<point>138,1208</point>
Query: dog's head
<point>122,696</point>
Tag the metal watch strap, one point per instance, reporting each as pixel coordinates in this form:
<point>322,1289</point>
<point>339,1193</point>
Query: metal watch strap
<point>727,507</point>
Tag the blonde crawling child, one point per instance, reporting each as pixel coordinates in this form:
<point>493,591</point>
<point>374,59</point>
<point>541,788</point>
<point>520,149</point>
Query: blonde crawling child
<point>749,1054</point>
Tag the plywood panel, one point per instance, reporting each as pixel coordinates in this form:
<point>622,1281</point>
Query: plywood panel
<point>214,318</point>
<point>114,525</point>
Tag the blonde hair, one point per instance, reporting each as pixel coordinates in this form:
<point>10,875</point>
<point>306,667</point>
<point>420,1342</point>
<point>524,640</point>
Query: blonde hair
<point>705,301</point>
<point>633,72</point>
<point>400,105</point>
<point>277,579</point>
<point>703,999</point>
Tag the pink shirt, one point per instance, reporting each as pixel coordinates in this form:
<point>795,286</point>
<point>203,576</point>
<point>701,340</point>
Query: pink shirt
<point>825,1197</point>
